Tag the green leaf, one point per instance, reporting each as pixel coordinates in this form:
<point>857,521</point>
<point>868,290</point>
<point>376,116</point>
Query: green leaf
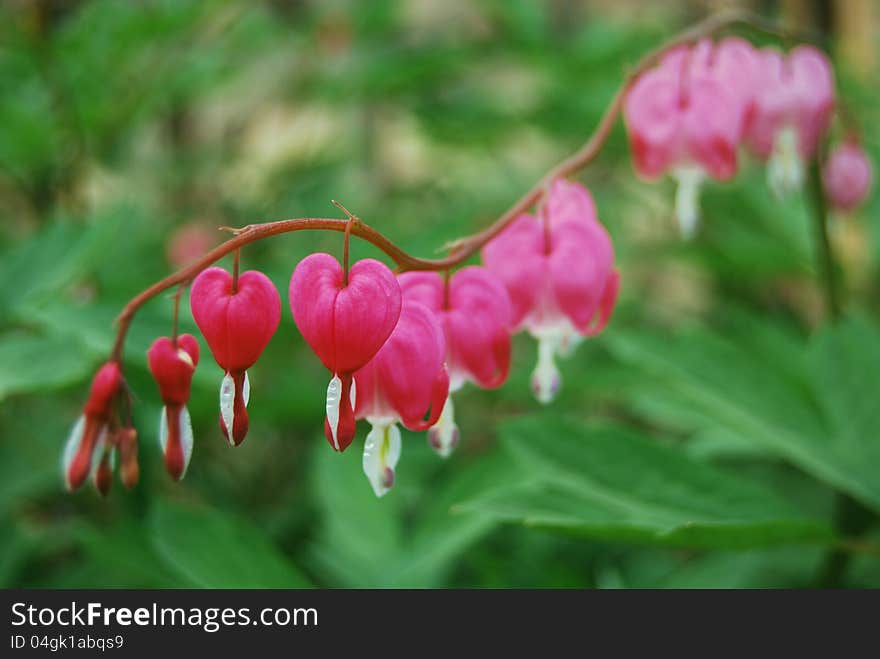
<point>776,567</point>
<point>845,363</point>
<point>820,413</point>
<point>207,548</point>
<point>365,542</point>
<point>54,258</point>
<point>616,484</point>
<point>359,533</point>
<point>126,557</point>
<point>33,363</point>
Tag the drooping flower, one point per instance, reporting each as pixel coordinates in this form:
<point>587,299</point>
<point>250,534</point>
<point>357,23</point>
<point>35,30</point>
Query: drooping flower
<point>473,309</point>
<point>345,319</point>
<point>172,365</point>
<point>847,176</point>
<point>793,104</point>
<point>237,324</point>
<point>686,117</point>
<point>559,273</point>
<point>406,381</point>
<point>87,443</point>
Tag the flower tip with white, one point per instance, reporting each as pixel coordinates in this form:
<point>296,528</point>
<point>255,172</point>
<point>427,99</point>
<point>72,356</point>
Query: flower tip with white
<point>546,378</point>
<point>444,435</point>
<point>381,453</point>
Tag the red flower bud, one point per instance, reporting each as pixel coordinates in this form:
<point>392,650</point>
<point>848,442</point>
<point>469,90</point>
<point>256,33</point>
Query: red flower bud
<point>172,367</point>
<point>88,434</point>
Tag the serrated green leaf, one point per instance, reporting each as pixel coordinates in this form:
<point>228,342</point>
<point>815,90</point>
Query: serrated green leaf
<point>823,420</point>
<point>615,484</point>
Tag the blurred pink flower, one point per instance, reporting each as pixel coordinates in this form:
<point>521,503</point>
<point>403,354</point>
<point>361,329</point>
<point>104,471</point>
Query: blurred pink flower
<point>847,176</point>
<point>559,273</point>
<point>793,104</point>
<point>189,243</point>
<point>686,117</point>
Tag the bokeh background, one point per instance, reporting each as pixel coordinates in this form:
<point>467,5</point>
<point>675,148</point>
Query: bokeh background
<point>701,441</point>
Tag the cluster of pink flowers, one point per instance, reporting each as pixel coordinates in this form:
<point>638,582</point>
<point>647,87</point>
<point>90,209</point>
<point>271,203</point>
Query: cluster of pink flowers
<point>689,116</point>
<point>396,346</point>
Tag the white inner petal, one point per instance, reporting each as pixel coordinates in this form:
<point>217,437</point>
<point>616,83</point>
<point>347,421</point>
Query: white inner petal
<point>246,389</point>
<point>186,438</point>
<point>546,379</point>
<point>163,430</point>
<point>443,436</point>
<point>334,397</point>
<point>227,405</point>
<point>381,454</point>
<point>98,452</point>
<point>71,446</point>
<point>687,198</point>
<point>567,342</point>
<point>785,169</point>
<point>352,394</point>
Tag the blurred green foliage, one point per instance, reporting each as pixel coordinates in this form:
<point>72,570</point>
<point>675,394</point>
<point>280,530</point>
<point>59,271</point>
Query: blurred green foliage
<point>698,442</point>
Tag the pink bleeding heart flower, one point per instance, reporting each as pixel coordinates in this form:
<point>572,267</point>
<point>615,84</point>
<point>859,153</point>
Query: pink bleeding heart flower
<point>793,105</point>
<point>406,381</point>
<point>237,324</point>
<point>173,365</point>
<point>686,117</point>
<point>345,320</point>
<point>561,281</point>
<point>87,444</point>
<point>847,176</point>
<point>473,309</point>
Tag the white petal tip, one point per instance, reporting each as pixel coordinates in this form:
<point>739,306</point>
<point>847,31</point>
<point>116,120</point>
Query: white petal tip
<point>546,379</point>
<point>381,453</point>
<point>443,437</point>
<point>227,405</point>
<point>334,399</point>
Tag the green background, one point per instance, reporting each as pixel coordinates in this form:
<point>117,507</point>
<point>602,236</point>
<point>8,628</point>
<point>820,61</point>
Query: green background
<point>700,441</point>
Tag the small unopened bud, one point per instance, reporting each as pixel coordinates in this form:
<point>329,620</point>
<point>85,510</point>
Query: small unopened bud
<point>129,471</point>
<point>103,474</point>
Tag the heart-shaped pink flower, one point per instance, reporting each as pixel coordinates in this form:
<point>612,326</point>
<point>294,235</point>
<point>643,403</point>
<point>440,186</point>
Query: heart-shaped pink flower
<point>345,321</point>
<point>237,326</point>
